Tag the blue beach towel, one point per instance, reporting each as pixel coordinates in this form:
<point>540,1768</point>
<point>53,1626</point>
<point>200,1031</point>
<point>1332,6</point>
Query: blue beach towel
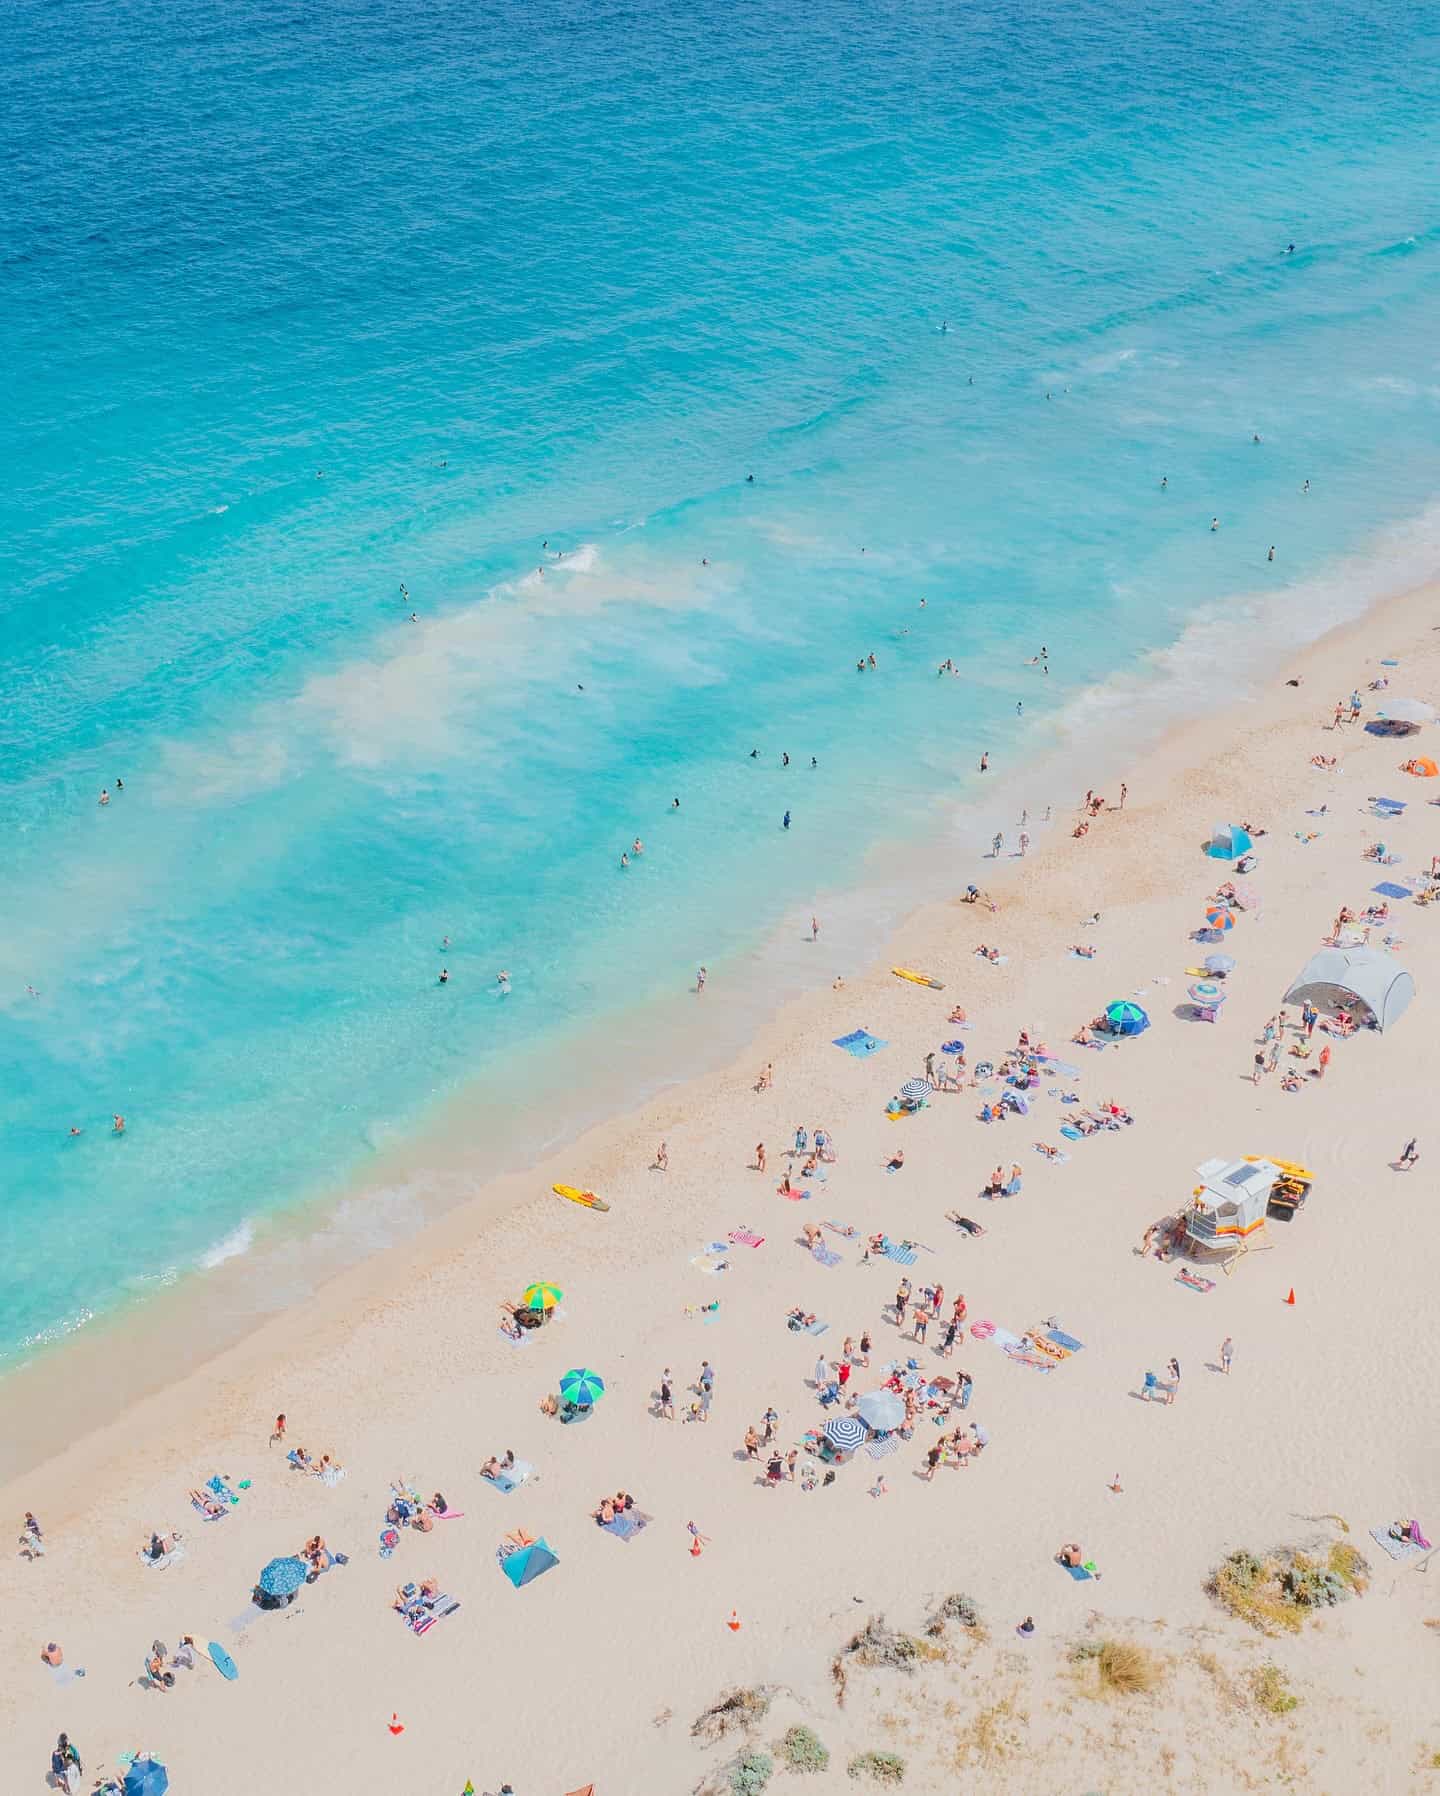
<point>860,1042</point>
<point>902,1256</point>
<point>1061,1339</point>
<point>825,1255</point>
<point>1388,889</point>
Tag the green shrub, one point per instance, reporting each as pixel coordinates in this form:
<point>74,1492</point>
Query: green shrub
<point>879,1767</point>
<point>1271,1691</point>
<point>751,1773</point>
<point>803,1750</point>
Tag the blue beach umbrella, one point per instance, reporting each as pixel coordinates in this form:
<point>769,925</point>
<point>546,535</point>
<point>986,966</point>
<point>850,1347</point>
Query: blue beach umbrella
<point>845,1432</point>
<point>282,1577</point>
<point>1124,1018</point>
<point>581,1387</point>
<point>147,1777</point>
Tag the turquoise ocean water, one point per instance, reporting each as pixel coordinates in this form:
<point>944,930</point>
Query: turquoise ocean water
<point>514,276</point>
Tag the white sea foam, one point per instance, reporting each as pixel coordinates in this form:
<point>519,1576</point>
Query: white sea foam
<point>238,1242</point>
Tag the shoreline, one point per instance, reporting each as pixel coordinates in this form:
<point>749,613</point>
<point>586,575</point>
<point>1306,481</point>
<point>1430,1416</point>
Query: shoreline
<point>396,1368</point>
<point>76,1384</point>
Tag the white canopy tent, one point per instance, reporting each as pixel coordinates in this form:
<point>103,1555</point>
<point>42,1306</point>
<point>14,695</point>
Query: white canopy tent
<point>1357,979</point>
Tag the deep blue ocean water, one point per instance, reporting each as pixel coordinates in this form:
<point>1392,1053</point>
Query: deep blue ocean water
<point>303,304</point>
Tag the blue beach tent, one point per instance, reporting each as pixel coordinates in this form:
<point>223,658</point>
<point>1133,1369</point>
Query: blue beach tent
<point>1228,841</point>
<point>524,1566</point>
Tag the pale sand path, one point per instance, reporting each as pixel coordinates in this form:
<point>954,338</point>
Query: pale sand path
<point>397,1368</point>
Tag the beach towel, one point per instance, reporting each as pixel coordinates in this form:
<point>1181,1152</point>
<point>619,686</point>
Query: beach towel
<point>1387,888</point>
<point>520,1340</point>
<point>1001,1336</point>
<point>746,1237</point>
<point>883,1447</point>
<point>902,1255</point>
<point>1193,1281</point>
<point>505,1482</point>
<point>860,1042</point>
<point>825,1255</point>
<point>1080,1573</point>
<point>707,1262</point>
<point>1061,1339</point>
<point>1397,1549</point>
<point>1063,1067</point>
<point>625,1526</point>
<point>817,1327</point>
<point>1036,1362</point>
<point>1070,1133</point>
<point>792,1192</point>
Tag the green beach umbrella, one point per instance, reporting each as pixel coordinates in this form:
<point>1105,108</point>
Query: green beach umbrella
<point>543,1296</point>
<point>581,1387</point>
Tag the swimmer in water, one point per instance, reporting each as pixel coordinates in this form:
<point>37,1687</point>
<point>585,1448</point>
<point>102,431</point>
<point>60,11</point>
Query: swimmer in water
<point>1271,555</point>
<point>119,785</point>
<point>749,480</point>
<point>985,761</point>
<point>1019,706</point>
<point>624,860</point>
<point>1164,482</point>
<point>813,761</point>
<point>784,760</point>
<point>104,797</point>
<point>785,821</point>
<point>637,847</point>
<point>944,327</point>
<point>502,979</point>
<point>1306,487</point>
<point>754,754</point>
<point>1256,437</point>
<point>118,1125</point>
<point>870,658</point>
<point>414,617</point>
<point>444,975</point>
<point>674,804</point>
<point>704,561</point>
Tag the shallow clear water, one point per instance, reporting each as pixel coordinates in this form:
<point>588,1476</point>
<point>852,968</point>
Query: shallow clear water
<point>567,275</point>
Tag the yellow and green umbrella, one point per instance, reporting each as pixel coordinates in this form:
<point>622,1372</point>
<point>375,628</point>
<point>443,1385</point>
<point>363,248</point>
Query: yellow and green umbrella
<point>542,1296</point>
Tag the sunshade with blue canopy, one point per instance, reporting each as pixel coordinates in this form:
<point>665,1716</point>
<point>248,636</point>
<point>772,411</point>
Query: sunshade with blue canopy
<point>282,1577</point>
<point>1228,841</point>
<point>1124,1018</point>
<point>526,1564</point>
<point>582,1387</point>
<point>147,1777</point>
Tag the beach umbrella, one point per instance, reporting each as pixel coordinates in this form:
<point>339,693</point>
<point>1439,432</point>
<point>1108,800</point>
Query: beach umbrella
<point>1205,993</point>
<point>282,1577</point>
<point>1219,964</point>
<point>581,1387</point>
<point>845,1432</point>
<point>1124,1018</point>
<point>881,1410</point>
<point>1228,841</point>
<point>541,1297</point>
<point>147,1777</point>
<point>1220,916</point>
<point>916,1089</point>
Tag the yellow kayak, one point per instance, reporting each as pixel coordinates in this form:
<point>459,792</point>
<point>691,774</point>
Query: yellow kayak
<point>915,978</point>
<point>577,1196</point>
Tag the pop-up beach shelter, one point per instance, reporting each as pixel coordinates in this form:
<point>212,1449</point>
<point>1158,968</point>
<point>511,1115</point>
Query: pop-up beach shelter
<point>1228,841</point>
<point>1359,979</point>
<point>526,1564</point>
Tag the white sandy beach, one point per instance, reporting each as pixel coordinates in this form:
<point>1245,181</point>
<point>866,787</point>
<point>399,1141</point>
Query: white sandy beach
<point>595,1672</point>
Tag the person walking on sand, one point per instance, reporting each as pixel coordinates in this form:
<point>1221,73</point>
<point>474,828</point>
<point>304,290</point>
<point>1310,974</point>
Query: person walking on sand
<point>1259,1069</point>
<point>700,979</point>
<point>985,761</point>
<point>996,845</point>
<point>814,929</point>
<point>759,1156</point>
<point>278,1434</point>
<point>662,1158</point>
<point>1324,1061</point>
<point>667,1397</point>
<point>1410,1154</point>
<point>1024,844</point>
<point>1227,1353</point>
<point>1172,1390</point>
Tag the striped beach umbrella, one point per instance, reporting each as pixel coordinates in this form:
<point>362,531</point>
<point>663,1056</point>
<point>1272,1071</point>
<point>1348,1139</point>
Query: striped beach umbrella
<point>582,1387</point>
<point>542,1296</point>
<point>1220,916</point>
<point>845,1432</point>
<point>916,1089</point>
<point>1203,992</point>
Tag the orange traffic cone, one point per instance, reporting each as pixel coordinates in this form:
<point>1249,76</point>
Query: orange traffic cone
<point>1291,1297</point>
<point>395,1724</point>
<point>734,1622</point>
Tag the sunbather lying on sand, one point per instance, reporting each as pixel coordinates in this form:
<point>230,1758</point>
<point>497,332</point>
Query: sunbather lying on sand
<point>963,1222</point>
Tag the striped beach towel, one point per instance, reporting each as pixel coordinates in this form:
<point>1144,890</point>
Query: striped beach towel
<point>746,1237</point>
<point>902,1256</point>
